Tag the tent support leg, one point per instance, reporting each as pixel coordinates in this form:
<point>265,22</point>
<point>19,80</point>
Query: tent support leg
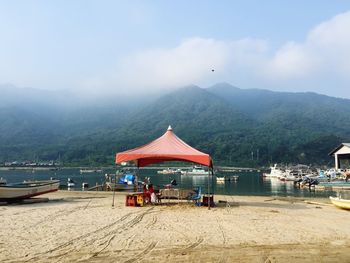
<point>115,185</point>
<point>209,189</point>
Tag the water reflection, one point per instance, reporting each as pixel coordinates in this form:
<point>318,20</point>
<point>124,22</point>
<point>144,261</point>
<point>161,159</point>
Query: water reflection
<point>248,183</point>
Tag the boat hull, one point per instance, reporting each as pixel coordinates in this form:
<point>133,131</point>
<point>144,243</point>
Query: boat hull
<point>193,173</point>
<point>120,187</point>
<point>341,203</point>
<point>27,190</point>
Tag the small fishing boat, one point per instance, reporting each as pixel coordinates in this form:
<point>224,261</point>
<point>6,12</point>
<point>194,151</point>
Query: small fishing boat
<point>70,183</point>
<point>84,185</point>
<point>27,189</point>
<point>220,180</point>
<point>82,171</point>
<point>276,172</point>
<point>169,171</point>
<point>3,181</point>
<point>341,203</point>
<point>121,182</point>
<point>234,178</point>
<point>196,170</point>
<point>224,179</point>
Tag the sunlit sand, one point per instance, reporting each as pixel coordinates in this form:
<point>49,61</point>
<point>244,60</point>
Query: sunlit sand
<point>83,226</point>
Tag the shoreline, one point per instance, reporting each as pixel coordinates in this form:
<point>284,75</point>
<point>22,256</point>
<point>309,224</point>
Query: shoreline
<point>44,168</point>
<point>83,226</point>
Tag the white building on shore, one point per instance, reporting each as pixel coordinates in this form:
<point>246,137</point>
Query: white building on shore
<point>341,156</point>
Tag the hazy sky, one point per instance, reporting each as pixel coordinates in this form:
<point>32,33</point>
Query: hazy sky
<point>130,46</point>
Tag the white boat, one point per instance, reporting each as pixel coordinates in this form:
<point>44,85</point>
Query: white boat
<point>220,180</point>
<point>169,171</point>
<point>275,172</point>
<point>70,183</point>
<point>224,179</point>
<point>195,171</point>
<point>2,181</point>
<point>27,189</point>
<point>84,185</point>
<point>289,175</point>
<point>82,171</point>
<point>234,178</point>
<point>341,203</point>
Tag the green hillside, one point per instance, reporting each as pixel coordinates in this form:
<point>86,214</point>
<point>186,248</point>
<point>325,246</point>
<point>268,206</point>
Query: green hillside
<point>236,126</point>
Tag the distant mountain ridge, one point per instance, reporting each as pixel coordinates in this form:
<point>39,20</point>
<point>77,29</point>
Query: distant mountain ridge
<point>236,126</point>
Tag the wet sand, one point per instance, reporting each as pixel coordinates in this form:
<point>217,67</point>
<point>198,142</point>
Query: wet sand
<point>83,227</point>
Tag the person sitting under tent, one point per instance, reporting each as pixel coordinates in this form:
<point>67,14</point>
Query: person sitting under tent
<point>146,193</point>
<point>152,193</point>
<point>149,194</point>
<point>171,185</point>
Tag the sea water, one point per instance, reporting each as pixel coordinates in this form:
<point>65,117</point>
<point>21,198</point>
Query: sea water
<point>249,183</point>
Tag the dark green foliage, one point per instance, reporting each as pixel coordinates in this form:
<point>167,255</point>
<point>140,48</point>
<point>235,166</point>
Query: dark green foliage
<point>237,127</point>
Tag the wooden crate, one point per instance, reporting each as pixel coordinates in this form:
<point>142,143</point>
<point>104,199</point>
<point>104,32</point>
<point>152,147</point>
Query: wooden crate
<point>205,200</point>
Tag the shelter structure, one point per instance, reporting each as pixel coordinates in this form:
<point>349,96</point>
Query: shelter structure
<point>341,156</point>
<point>168,147</point>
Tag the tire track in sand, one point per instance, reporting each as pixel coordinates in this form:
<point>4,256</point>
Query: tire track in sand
<point>70,242</point>
<point>146,251</point>
<point>130,224</point>
<point>194,244</point>
<point>222,231</point>
<point>105,239</point>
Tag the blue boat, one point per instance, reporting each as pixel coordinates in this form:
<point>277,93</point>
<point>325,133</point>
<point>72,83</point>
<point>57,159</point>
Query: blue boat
<point>125,182</point>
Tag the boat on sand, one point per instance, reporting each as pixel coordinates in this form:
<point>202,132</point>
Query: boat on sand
<point>27,189</point>
<point>121,182</point>
<point>341,203</point>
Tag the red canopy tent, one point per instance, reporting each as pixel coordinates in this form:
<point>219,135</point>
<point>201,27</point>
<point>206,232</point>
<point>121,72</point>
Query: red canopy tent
<point>168,147</point>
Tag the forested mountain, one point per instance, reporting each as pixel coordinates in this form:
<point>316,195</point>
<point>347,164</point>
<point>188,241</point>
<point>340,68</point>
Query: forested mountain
<point>236,126</point>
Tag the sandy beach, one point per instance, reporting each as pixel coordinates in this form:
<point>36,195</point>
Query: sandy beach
<point>84,227</point>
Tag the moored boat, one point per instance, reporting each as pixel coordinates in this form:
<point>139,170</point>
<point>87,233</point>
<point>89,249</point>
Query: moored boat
<point>27,189</point>
<point>121,182</point>
<point>84,185</point>
<point>70,183</point>
<point>169,171</point>
<point>333,186</point>
<point>2,181</point>
<point>195,171</point>
<point>220,179</point>
<point>341,203</point>
<point>275,172</point>
<point>82,171</point>
<point>226,178</point>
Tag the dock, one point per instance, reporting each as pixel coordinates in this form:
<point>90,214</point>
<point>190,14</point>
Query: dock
<point>332,186</point>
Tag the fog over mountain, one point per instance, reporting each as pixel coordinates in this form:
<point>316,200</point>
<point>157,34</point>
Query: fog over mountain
<point>236,126</point>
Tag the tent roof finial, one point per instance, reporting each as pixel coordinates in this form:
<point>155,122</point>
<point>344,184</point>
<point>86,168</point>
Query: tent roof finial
<point>169,128</point>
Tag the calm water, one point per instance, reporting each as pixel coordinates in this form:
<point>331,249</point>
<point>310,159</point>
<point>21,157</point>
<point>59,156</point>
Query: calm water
<point>248,183</point>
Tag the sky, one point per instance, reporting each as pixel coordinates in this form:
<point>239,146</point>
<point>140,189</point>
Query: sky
<point>143,46</point>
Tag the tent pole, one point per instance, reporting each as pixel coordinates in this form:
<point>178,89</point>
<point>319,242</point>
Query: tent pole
<point>208,188</point>
<point>115,185</point>
<point>212,181</point>
<point>137,177</point>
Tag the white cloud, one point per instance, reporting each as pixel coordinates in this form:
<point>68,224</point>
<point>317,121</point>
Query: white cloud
<point>187,63</point>
<point>312,65</point>
<point>291,61</point>
<point>325,51</point>
<point>191,62</point>
<point>331,40</point>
